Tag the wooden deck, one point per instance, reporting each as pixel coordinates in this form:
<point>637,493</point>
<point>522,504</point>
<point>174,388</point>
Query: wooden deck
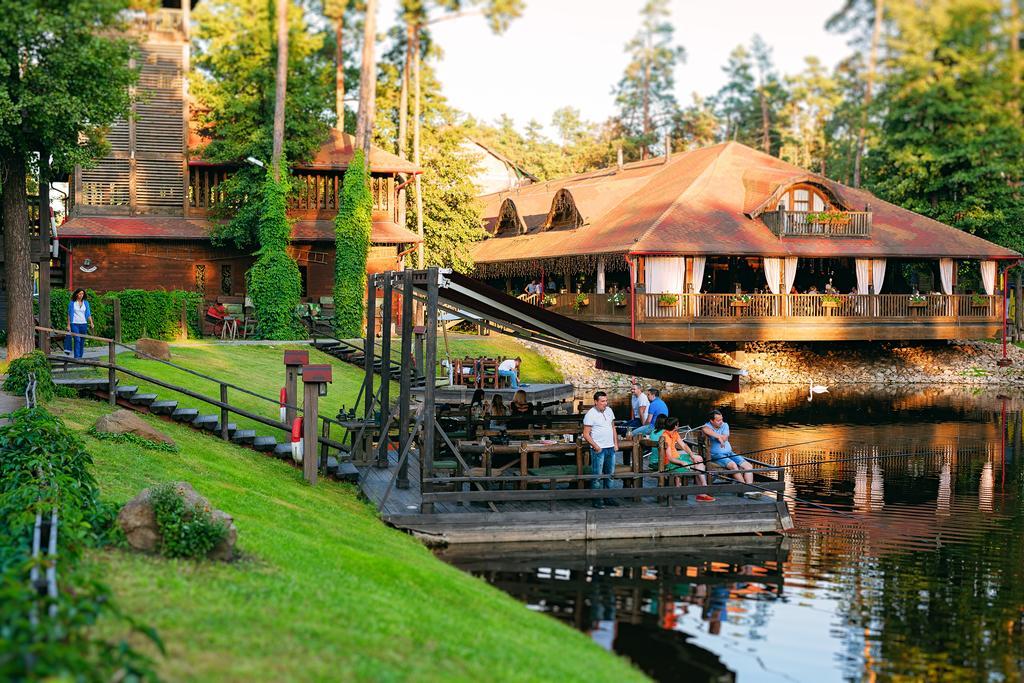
<point>534,392</point>
<point>564,520</point>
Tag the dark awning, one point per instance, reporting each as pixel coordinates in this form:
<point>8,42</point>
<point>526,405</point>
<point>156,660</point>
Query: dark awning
<point>612,351</point>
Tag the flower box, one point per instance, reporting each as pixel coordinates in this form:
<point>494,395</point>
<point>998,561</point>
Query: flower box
<point>739,304</point>
<point>830,304</point>
<point>666,304</point>
<point>917,304</point>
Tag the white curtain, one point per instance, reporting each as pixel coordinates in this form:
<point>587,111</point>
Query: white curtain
<point>877,274</point>
<point>791,262</point>
<point>988,276</point>
<point>697,276</point>
<point>863,275</point>
<point>772,269</point>
<point>664,274</point>
<point>946,274</point>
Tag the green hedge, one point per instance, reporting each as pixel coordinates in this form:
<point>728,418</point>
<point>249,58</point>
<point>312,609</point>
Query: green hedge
<point>144,313</point>
<point>352,228</point>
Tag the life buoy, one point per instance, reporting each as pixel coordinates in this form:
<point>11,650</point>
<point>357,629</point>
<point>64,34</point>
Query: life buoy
<point>284,400</point>
<point>297,440</point>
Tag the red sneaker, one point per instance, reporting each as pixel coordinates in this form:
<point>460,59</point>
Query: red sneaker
<point>705,498</point>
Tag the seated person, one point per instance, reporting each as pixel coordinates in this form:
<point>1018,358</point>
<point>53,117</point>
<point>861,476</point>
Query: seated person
<point>640,403</point>
<point>498,409</point>
<point>717,431</point>
<point>676,456</point>
<point>477,406</point>
<point>510,368</point>
<point>657,405</point>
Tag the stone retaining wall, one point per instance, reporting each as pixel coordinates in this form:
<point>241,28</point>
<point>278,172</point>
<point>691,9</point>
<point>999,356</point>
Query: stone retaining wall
<point>964,362</point>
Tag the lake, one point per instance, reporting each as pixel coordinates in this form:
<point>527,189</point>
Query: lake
<point>921,577</point>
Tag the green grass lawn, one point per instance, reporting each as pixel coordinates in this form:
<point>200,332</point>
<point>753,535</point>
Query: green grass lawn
<point>535,368</point>
<point>324,592</point>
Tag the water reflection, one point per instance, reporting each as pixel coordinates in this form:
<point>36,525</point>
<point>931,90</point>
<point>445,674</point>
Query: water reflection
<point>925,583</point>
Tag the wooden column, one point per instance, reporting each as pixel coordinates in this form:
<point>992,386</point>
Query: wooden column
<point>405,382</point>
<point>385,371</point>
<point>371,309</point>
<point>314,378</point>
<point>111,373</point>
<point>430,372</point>
<point>224,412</point>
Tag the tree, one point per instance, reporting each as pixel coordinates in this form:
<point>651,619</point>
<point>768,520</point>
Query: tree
<point>695,125</point>
<point>752,98</point>
<point>280,85</point>
<point>352,228</point>
<point>367,81</point>
<point>645,92</point>
<point>951,145</point>
<point>64,78</point>
<point>814,96</point>
<point>234,80</point>
<point>274,283</point>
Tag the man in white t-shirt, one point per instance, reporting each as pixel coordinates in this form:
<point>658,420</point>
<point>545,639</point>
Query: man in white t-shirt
<point>640,404</point>
<point>599,432</point>
<point>510,368</point>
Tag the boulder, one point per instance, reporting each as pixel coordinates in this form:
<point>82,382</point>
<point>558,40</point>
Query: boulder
<point>138,522</point>
<point>155,348</point>
<point>126,422</point>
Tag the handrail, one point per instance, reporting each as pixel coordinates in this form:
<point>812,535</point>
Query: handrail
<point>196,395</point>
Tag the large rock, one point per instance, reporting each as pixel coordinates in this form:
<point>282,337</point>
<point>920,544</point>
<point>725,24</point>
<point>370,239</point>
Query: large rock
<point>126,422</point>
<point>155,348</point>
<point>138,522</point>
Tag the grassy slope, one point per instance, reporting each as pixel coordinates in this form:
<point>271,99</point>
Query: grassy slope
<point>535,368</point>
<point>325,591</point>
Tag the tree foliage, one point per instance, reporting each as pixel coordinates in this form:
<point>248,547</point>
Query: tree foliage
<point>274,282</point>
<point>352,228</point>
<point>233,80</point>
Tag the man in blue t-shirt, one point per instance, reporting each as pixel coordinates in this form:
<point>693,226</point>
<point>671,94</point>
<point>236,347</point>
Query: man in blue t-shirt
<point>717,431</point>
<point>657,406</point>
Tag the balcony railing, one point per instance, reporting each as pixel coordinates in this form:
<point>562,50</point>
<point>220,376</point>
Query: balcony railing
<point>818,223</point>
<point>730,307</point>
<point>162,19</point>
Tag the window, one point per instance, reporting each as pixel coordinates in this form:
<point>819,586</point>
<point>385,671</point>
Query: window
<point>803,198</point>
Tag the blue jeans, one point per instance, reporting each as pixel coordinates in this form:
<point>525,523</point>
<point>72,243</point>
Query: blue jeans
<point>77,342</point>
<point>602,462</point>
<point>512,379</point>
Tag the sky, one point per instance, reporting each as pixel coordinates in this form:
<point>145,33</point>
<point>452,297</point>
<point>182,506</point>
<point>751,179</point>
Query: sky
<point>570,52</point>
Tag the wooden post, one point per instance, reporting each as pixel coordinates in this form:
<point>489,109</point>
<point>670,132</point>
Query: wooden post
<point>117,319</point>
<point>112,373</point>
<point>371,308</point>
<point>404,393</point>
<point>385,370</point>
<point>223,411</point>
<point>183,334</point>
<point>310,416</point>
<point>430,372</point>
<point>293,360</point>
<point>418,336</point>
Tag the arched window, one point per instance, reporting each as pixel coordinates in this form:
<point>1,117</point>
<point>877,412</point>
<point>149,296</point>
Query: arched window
<point>563,212</point>
<point>509,223</point>
<point>803,197</point>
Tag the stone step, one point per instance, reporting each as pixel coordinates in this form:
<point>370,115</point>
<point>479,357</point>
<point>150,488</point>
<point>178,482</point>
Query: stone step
<point>163,407</point>
<point>266,444</point>
<point>185,414</point>
<point>205,421</point>
<point>126,390</point>
<point>283,451</point>
<point>244,436</point>
<point>143,399</point>
<point>82,384</point>
<point>232,428</point>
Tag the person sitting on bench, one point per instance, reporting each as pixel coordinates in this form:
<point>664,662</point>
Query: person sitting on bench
<point>509,368</point>
<point>678,458</point>
<point>717,431</point>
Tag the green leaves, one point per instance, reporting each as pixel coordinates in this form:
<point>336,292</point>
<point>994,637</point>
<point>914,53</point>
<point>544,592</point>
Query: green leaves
<point>275,284</point>
<point>185,531</point>
<point>352,228</point>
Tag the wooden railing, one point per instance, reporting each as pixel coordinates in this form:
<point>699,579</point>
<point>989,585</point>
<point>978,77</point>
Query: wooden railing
<point>818,223</point>
<point>605,307</point>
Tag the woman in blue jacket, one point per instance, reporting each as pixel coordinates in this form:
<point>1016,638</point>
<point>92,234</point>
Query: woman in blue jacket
<point>79,322</point>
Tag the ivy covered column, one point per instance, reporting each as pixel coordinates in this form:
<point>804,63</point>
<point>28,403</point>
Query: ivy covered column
<point>352,243</point>
<point>275,286</point>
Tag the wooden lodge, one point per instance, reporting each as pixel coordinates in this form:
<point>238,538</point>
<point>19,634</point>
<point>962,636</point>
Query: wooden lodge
<point>726,243</point>
<point>143,215</point>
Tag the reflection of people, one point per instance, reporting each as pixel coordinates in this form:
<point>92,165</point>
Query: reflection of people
<point>602,617</point>
<point>79,322</point>
<point>716,607</point>
<point>717,431</point>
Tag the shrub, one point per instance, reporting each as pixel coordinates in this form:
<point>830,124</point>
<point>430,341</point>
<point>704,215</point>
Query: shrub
<point>185,531</point>
<point>275,285</point>
<point>352,242</point>
<point>18,372</point>
<point>144,313</point>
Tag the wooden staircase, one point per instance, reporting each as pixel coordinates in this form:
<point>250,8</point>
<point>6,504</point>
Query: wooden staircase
<point>129,396</point>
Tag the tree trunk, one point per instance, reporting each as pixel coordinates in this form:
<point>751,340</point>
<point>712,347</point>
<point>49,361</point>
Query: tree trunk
<point>339,73</point>
<point>647,103</point>
<point>44,238</point>
<point>403,96</point>
<point>281,83</point>
<point>367,82</point>
<point>420,248</point>
<point>17,263</point>
<point>766,137</point>
<point>876,32</point>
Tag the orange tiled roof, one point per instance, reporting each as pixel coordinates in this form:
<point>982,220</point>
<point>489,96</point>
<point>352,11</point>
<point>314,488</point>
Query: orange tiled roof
<point>707,202</point>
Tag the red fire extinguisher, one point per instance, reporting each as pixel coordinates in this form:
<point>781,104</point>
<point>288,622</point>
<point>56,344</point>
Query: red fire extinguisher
<point>297,440</point>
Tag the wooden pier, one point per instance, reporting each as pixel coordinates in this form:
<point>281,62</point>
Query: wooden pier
<point>546,393</point>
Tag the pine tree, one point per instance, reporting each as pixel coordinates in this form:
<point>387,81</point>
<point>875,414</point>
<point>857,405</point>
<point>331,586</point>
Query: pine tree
<point>751,101</point>
<point>814,96</point>
<point>696,125</point>
<point>644,95</point>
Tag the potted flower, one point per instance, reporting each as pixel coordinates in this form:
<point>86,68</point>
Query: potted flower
<point>829,218</point>
<point>617,299</point>
<point>667,300</point>
<point>979,301</point>
<point>739,300</point>
<point>582,301</point>
<point>917,300</point>
<point>548,300</point>
<point>830,300</point>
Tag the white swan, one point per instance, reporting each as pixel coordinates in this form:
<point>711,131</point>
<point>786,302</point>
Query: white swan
<point>813,389</point>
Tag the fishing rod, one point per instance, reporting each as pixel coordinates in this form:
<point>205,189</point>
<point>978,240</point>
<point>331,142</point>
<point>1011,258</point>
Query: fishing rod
<point>786,495</point>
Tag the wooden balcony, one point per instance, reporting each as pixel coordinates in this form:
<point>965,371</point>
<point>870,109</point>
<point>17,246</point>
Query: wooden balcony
<point>790,317</point>
<point>818,223</point>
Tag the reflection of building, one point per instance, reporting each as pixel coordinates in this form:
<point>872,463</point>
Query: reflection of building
<point>726,243</point>
<point>142,216</point>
